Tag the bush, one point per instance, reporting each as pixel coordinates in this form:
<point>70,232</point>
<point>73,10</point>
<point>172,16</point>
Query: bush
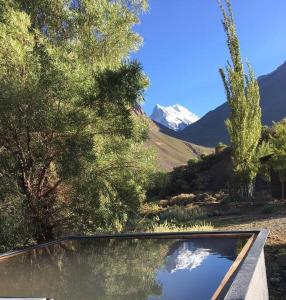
<point>182,199</point>
<point>159,183</point>
<point>220,147</point>
<point>269,209</point>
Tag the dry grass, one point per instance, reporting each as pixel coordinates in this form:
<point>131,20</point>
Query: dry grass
<point>173,152</point>
<point>169,227</point>
<point>182,214</point>
<point>151,208</point>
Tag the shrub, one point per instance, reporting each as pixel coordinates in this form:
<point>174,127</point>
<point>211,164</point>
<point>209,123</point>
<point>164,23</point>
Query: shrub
<point>182,199</point>
<point>220,147</point>
<point>269,209</point>
<point>159,183</point>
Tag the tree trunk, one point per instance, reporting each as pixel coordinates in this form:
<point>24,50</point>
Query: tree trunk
<point>38,213</point>
<point>246,191</point>
<point>243,191</point>
<point>43,231</point>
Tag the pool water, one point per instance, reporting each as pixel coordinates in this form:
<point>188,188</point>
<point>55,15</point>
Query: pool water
<point>117,269</point>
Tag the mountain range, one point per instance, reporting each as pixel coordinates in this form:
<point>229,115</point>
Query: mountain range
<point>177,142</point>
<point>210,129</point>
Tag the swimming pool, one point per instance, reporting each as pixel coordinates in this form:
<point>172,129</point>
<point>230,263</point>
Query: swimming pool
<point>194,266</point>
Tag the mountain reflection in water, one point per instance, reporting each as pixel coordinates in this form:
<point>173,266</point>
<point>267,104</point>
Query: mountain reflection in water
<point>185,258</point>
<point>117,269</point>
<point>193,269</point>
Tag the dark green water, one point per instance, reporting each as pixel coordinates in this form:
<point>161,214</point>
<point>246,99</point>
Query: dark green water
<point>117,269</point>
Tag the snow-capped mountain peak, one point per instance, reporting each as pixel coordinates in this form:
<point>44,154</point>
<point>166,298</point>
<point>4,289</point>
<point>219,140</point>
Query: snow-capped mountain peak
<point>175,117</point>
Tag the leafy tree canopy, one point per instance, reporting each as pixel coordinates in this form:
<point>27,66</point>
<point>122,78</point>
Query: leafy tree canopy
<point>68,139</point>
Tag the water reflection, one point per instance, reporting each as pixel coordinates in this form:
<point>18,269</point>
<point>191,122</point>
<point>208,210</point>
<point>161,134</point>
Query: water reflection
<point>194,269</point>
<point>186,257</point>
<point>109,269</point>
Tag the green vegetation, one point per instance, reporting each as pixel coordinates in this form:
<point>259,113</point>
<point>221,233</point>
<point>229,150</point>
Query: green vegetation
<point>244,124</point>
<point>278,148</point>
<point>220,147</point>
<point>72,157</point>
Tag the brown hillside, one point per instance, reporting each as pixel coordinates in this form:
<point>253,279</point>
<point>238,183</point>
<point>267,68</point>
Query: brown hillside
<point>173,152</point>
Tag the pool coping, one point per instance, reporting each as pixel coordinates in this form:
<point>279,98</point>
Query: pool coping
<point>241,284</point>
<point>239,280</point>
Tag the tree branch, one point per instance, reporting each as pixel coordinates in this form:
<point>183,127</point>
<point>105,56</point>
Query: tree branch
<point>51,190</point>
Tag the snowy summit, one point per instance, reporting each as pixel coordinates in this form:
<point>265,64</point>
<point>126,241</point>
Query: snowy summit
<point>175,117</point>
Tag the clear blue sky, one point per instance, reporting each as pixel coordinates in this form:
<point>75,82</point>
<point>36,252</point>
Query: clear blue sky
<point>184,45</point>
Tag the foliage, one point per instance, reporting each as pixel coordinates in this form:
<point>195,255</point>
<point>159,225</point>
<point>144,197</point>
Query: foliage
<point>14,228</point>
<point>278,147</point>
<point>210,173</point>
<point>220,147</point>
<point>71,151</point>
<point>158,185</point>
<point>244,124</point>
<point>114,188</point>
<point>269,208</point>
<point>264,150</point>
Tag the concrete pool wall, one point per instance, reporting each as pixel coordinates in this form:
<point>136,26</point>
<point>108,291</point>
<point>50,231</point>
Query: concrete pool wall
<point>250,282</point>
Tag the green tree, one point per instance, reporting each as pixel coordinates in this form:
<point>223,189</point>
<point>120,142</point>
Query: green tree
<point>67,95</point>
<point>278,148</point>
<point>244,124</point>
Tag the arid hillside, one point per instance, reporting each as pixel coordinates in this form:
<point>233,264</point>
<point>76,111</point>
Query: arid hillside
<point>173,152</point>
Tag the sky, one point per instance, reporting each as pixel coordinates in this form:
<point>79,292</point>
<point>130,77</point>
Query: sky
<point>185,45</point>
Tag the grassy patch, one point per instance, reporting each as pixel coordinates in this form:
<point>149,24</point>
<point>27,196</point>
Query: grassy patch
<point>170,227</point>
<point>179,214</point>
<point>151,208</point>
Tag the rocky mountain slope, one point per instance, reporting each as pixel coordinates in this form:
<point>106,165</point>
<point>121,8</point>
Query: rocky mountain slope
<point>210,129</point>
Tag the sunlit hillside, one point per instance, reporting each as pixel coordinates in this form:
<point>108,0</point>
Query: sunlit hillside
<point>173,152</point>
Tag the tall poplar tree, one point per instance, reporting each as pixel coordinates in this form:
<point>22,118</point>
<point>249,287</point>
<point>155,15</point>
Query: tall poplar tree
<point>244,124</point>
